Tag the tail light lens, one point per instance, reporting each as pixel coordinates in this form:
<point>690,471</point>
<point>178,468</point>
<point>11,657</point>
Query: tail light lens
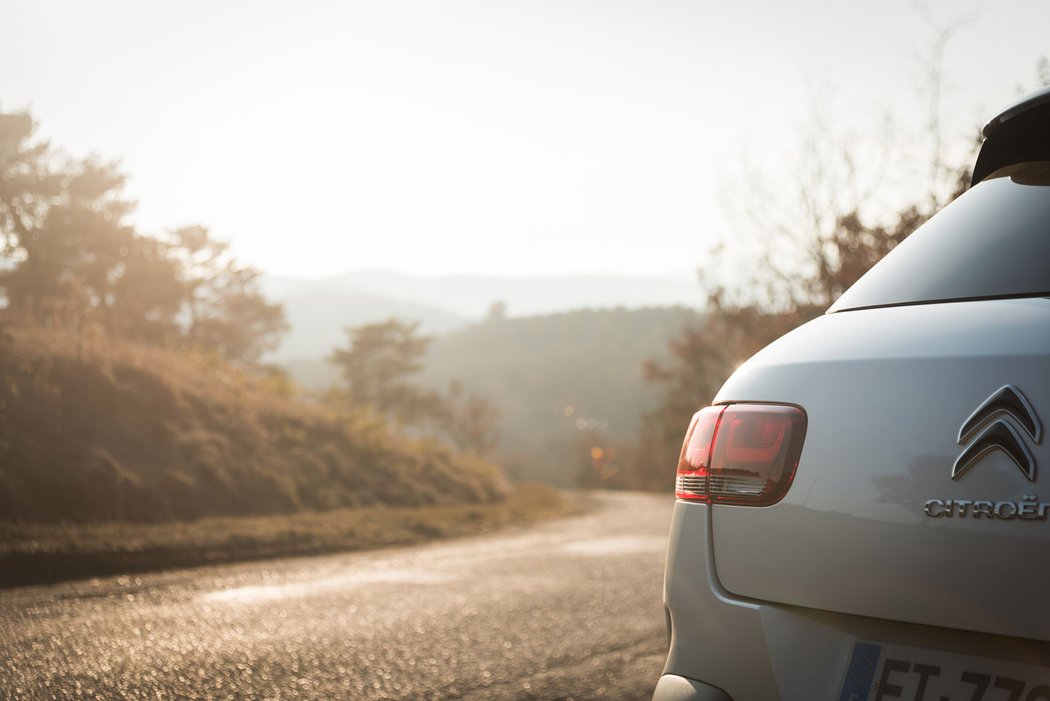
<point>741,454</point>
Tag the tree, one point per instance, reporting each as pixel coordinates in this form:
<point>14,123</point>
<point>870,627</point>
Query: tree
<point>28,183</point>
<point>70,245</point>
<point>377,367</point>
<point>824,238</point>
<point>236,320</point>
<point>701,358</point>
<point>74,259</point>
<point>199,258</point>
<point>149,294</point>
<point>704,356</point>
<point>226,313</point>
<point>470,420</point>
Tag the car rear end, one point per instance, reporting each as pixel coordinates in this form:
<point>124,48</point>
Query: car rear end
<point>861,512</point>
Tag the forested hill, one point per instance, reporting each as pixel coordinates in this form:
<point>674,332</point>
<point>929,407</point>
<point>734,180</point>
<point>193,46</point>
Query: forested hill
<point>564,383</point>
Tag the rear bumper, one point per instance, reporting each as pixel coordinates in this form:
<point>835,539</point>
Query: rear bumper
<point>727,647</point>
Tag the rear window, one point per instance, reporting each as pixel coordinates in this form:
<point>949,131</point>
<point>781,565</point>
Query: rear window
<point>993,241</point>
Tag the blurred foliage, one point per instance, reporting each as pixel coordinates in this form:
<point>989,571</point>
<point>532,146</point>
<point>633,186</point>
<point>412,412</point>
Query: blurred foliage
<point>817,235</point>
<point>563,384</point>
<point>470,420</point>
<point>838,246</point>
<point>72,260</point>
<point>380,367</point>
<point>225,308</point>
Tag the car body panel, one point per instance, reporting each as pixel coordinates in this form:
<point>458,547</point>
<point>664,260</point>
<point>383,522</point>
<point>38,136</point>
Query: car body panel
<point>705,622</point>
<point>886,391</point>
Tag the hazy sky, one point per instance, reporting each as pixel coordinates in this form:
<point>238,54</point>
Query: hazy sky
<point>487,136</point>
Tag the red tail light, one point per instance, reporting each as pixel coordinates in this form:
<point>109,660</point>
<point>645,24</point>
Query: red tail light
<point>741,454</point>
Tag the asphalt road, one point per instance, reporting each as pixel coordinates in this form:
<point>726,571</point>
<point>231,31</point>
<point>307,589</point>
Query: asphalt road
<point>566,609</point>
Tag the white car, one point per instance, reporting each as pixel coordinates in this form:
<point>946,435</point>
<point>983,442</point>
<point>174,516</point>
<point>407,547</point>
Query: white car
<point>864,511</point>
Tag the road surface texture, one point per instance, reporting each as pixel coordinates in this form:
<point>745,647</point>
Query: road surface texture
<point>565,609</point>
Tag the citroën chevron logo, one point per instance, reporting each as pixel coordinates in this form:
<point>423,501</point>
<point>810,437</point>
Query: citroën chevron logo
<point>994,426</point>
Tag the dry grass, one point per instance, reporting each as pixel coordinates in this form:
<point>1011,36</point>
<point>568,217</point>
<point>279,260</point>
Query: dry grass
<point>95,430</point>
<point>39,553</point>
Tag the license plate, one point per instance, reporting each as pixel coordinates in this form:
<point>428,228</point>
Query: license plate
<point>878,672</point>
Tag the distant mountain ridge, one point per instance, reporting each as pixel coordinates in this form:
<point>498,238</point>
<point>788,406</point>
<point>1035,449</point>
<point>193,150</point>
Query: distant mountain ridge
<point>318,313</point>
<point>319,310</point>
<point>471,296</point>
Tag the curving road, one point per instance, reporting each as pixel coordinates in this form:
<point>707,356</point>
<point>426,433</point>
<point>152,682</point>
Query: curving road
<point>566,609</point>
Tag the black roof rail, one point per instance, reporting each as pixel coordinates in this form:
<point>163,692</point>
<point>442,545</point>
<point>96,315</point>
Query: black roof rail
<point>1018,134</point>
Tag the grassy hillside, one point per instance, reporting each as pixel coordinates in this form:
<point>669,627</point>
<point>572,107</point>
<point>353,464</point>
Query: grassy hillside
<point>109,431</point>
